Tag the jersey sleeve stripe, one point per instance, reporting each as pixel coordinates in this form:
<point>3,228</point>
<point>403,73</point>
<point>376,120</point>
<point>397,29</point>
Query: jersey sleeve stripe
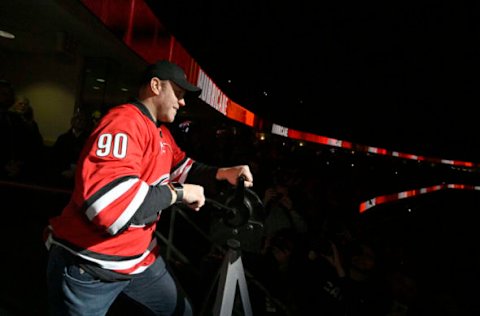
<point>103,201</point>
<point>180,172</point>
<point>130,210</point>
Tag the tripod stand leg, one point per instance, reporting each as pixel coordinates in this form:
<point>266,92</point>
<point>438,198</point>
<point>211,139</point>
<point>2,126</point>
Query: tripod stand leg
<point>232,271</point>
<point>242,285</point>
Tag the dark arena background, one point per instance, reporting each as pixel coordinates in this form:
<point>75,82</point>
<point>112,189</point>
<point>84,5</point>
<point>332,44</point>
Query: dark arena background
<point>360,116</point>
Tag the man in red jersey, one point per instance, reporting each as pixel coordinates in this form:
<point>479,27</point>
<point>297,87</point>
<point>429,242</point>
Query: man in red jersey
<point>103,243</point>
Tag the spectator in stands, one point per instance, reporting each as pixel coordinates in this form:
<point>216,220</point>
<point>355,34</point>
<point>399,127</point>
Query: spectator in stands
<point>279,267</point>
<point>23,107</point>
<point>66,149</point>
<point>280,212</point>
<point>21,141</point>
<point>320,285</point>
<point>366,291</point>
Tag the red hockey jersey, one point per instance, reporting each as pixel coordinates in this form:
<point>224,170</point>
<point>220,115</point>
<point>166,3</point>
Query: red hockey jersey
<point>120,191</point>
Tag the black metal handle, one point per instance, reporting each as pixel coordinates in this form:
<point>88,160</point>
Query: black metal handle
<point>240,191</point>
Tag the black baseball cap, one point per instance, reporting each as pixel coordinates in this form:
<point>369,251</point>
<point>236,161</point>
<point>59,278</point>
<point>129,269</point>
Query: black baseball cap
<point>166,70</point>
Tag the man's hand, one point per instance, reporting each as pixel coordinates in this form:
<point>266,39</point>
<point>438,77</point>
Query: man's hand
<point>231,174</point>
<point>193,196</point>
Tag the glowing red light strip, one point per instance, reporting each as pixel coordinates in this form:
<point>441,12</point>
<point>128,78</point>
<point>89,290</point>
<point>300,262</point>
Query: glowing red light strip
<point>294,134</point>
<point>382,199</point>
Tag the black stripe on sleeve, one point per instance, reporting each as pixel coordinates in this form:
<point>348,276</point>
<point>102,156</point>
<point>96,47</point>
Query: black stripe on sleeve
<point>158,198</point>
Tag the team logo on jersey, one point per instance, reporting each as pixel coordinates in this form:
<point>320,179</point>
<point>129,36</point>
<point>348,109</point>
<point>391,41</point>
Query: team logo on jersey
<point>163,147</point>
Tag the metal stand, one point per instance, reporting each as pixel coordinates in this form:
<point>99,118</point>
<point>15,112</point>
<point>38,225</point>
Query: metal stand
<point>231,272</point>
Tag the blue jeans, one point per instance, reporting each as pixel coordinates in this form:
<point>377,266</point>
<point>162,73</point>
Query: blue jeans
<point>73,291</point>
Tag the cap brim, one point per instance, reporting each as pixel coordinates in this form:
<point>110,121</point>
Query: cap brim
<point>187,86</point>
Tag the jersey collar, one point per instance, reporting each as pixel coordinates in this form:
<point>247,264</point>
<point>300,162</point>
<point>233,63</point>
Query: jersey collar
<point>145,111</point>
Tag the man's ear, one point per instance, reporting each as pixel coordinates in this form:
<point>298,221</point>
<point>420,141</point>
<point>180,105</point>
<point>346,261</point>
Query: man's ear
<point>156,85</point>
